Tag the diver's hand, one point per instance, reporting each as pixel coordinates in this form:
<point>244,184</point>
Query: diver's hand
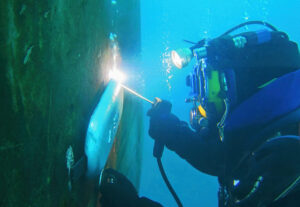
<point>117,191</point>
<point>163,124</point>
<point>271,170</point>
<point>159,107</point>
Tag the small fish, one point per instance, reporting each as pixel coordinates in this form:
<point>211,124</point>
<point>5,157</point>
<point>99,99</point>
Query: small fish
<point>70,163</point>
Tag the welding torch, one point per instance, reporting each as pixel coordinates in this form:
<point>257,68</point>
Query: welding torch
<point>158,147</point>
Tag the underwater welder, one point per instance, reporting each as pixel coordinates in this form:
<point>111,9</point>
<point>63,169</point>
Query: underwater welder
<point>245,114</point>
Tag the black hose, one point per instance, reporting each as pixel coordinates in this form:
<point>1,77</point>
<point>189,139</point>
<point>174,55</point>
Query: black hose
<point>202,42</point>
<point>164,176</point>
<point>188,41</point>
<point>250,23</point>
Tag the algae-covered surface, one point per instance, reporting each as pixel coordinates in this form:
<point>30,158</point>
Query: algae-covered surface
<point>53,69</point>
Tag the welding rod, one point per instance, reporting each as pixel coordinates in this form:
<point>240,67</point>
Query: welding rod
<point>135,93</point>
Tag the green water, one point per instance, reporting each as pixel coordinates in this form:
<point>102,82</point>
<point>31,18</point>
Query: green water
<point>52,73</point>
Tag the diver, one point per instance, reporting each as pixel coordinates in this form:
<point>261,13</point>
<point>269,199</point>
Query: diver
<point>244,119</point>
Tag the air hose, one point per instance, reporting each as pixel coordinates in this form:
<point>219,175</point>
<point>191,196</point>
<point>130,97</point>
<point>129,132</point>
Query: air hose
<point>250,23</point>
<point>203,41</point>
<point>157,152</point>
<point>164,176</point>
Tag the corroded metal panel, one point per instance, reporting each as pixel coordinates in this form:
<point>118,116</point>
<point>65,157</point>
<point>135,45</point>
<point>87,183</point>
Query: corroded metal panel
<point>126,154</point>
<point>53,57</point>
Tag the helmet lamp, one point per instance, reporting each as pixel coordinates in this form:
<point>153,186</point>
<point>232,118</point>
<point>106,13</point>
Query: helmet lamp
<point>181,57</point>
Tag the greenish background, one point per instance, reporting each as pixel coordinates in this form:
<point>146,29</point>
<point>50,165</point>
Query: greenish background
<point>53,69</point>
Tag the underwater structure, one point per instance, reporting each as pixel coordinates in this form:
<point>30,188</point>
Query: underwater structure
<point>55,57</point>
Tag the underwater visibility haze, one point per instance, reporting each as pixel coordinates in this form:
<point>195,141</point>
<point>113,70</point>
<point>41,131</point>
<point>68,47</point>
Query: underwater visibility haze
<point>63,119</point>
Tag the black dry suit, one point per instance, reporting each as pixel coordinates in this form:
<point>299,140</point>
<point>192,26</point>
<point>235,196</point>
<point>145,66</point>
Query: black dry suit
<point>258,65</point>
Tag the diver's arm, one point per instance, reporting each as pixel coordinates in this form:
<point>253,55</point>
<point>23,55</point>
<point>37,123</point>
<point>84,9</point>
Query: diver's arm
<point>116,190</point>
<point>146,202</point>
<point>202,149</point>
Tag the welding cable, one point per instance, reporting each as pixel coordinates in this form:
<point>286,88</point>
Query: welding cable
<point>250,23</point>
<point>164,176</point>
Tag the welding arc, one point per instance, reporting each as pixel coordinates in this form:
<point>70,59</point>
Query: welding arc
<point>135,93</point>
<point>161,169</point>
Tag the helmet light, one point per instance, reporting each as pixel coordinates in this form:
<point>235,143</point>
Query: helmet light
<point>181,57</point>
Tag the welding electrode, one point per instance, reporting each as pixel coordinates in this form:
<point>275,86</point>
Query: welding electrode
<point>135,93</point>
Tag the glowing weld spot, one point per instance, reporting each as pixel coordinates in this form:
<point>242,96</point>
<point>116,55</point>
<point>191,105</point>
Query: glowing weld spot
<point>117,76</point>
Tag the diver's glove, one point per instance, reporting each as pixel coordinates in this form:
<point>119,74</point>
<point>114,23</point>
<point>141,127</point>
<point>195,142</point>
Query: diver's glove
<point>163,124</point>
<point>202,149</point>
<point>270,173</point>
<point>117,191</point>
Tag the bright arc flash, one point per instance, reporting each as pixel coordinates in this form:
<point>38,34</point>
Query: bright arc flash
<point>117,76</point>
